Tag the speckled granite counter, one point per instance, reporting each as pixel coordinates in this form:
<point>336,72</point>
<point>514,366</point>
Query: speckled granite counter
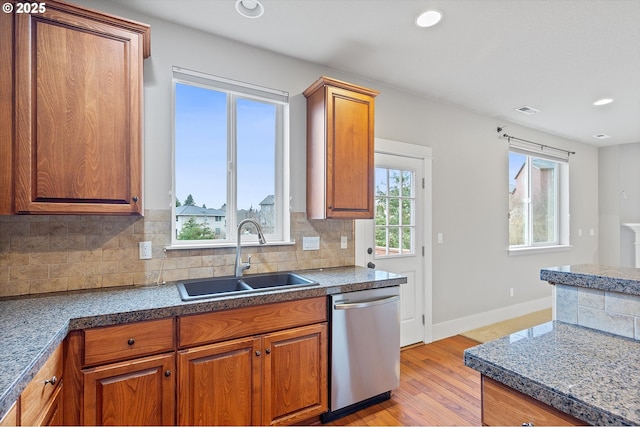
<point>591,375</point>
<point>607,278</point>
<point>33,327</point>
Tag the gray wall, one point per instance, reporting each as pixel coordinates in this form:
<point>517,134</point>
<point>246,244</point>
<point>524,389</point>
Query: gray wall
<point>472,271</point>
<point>619,202</point>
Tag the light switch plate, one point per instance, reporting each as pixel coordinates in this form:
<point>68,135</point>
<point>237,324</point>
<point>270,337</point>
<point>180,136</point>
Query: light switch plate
<point>310,243</point>
<point>343,242</point>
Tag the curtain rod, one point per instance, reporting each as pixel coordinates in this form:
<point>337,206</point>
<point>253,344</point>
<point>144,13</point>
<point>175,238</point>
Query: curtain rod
<point>542,146</point>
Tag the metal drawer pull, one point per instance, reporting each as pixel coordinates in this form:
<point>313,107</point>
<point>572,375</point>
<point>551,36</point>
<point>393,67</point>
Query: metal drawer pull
<point>52,381</point>
<point>131,341</point>
<point>365,304</point>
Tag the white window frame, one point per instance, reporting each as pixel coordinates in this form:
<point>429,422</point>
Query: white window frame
<point>239,90</point>
<point>562,199</point>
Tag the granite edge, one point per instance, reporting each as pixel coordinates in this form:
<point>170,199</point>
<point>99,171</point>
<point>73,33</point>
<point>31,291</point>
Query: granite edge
<point>593,281</point>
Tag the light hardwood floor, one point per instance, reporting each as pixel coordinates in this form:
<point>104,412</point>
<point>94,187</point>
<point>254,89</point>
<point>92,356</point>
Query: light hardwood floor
<point>435,389</point>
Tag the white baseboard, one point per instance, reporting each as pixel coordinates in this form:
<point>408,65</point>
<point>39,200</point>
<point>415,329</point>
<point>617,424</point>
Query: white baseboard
<point>463,324</point>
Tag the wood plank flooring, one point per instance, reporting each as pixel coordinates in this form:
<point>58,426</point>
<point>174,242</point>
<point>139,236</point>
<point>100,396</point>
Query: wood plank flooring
<point>435,389</point>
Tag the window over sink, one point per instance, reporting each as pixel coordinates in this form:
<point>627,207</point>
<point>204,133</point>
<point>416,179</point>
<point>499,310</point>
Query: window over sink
<point>230,160</point>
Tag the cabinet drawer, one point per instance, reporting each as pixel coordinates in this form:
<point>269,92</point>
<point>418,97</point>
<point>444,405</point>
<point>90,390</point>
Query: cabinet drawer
<point>38,393</point>
<point>247,321</point>
<point>112,343</point>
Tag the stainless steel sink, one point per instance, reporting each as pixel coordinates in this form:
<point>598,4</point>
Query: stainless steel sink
<point>221,286</point>
<point>276,280</point>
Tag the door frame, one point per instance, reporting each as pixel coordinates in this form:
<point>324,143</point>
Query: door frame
<point>423,153</point>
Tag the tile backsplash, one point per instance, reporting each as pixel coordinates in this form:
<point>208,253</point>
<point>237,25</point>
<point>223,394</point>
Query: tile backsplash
<point>608,311</point>
<point>53,253</point>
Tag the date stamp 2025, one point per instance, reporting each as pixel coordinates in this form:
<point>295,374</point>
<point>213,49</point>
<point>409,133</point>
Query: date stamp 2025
<point>25,7</point>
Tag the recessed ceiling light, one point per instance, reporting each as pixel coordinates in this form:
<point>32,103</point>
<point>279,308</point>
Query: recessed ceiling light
<point>603,101</point>
<point>601,136</point>
<point>429,18</point>
<point>249,8</point>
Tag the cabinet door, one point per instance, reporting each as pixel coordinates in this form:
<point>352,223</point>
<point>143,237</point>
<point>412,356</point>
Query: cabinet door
<point>350,121</point>
<point>294,385</point>
<point>78,85</point>
<point>137,392</point>
<point>53,414</point>
<point>219,384</point>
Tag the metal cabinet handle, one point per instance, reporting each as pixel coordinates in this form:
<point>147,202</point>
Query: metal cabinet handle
<point>134,198</point>
<point>167,373</point>
<point>131,341</point>
<point>52,381</point>
<point>258,353</point>
<point>268,351</point>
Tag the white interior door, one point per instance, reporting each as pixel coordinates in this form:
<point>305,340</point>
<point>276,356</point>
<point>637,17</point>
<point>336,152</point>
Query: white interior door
<point>394,240</point>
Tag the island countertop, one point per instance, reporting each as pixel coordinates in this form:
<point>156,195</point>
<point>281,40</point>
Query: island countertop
<point>604,277</point>
<point>591,375</point>
<point>33,327</point>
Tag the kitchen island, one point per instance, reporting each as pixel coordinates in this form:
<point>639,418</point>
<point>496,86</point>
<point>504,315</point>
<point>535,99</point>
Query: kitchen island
<point>585,363</point>
<point>33,327</point>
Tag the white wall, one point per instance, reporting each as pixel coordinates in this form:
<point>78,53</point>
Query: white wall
<point>472,271</point>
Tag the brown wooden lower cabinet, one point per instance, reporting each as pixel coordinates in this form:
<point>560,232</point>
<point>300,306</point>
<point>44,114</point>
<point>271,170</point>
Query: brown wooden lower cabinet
<point>41,401</point>
<point>502,406</point>
<point>273,379</point>
<point>134,392</point>
<point>219,384</point>
<point>261,365</point>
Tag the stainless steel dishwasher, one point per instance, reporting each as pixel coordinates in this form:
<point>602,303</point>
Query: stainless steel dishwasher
<point>365,349</point>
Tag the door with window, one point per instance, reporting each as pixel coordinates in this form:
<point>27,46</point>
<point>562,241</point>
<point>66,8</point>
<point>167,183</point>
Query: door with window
<point>394,240</point>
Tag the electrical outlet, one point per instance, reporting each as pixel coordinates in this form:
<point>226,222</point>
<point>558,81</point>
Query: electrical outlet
<point>440,238</point>
<point>510,292</point>
<point>145,250</point>
<point>343,242</point>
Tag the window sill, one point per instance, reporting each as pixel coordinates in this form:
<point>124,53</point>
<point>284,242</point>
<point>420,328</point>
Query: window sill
<point>226,245</point>
<point>538,249</point>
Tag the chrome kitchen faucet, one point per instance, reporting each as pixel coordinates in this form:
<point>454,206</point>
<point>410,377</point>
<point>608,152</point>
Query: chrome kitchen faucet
<point>241,266</point>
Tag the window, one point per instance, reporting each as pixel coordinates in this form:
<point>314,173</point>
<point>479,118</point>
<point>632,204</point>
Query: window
<point>230,160</point>
<point>538,200</point>
<point>395,212</point>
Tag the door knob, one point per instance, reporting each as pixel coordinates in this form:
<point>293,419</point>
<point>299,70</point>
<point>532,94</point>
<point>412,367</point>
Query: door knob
<point>371,265</point>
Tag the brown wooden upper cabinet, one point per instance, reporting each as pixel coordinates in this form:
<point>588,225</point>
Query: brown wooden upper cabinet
<point>340,132</point>
<point>77,111</point>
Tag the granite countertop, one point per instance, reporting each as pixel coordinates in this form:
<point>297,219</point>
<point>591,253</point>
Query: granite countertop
<point>32,327</point>
<point>604,277</point>
<point>591,375</point>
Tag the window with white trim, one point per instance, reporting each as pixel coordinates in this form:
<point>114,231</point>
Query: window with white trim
<point>538,199</point>
<point>230,160</point>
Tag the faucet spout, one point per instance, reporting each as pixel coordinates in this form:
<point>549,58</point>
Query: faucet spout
<point>241,266</point>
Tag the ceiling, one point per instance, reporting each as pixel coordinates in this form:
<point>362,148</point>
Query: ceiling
<point>490,56</point>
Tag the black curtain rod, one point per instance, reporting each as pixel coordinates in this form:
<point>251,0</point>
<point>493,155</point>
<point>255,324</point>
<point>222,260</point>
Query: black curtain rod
<point>542,146</point>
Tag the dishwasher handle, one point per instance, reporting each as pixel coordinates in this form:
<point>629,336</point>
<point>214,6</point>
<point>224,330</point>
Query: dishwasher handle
<point>365,304</point>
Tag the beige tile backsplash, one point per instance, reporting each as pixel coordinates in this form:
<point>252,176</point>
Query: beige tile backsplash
<point>52,253</point>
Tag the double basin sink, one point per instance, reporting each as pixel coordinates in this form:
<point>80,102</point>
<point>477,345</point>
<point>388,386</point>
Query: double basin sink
<point>221,286</point>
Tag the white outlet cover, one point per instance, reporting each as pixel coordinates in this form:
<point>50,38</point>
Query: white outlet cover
<point>145,250</point>
<point>310,243</point>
